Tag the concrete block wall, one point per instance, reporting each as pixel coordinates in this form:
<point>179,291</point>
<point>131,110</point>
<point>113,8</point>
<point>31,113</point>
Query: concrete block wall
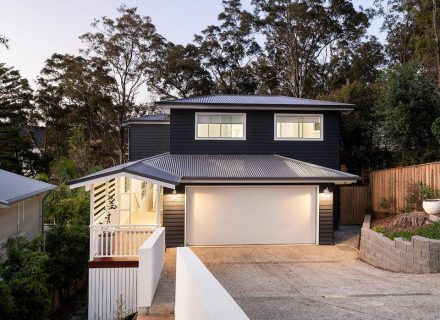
<point>420,255</point>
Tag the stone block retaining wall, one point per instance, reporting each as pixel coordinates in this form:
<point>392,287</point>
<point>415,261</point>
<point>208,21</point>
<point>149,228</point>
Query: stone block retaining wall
<point>420,255</point>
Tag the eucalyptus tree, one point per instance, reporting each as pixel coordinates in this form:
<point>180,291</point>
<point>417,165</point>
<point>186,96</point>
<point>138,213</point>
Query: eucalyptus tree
<point>178,72</point>
<point>15,108</point>
<point>75,92</point>
<point>300,35</point>
<point>413,28</point>
<point>229,49</point>
<point>128,45</point>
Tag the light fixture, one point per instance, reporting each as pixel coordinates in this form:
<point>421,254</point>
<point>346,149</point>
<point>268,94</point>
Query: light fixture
<point>174,195</point>
<point>326,193</point>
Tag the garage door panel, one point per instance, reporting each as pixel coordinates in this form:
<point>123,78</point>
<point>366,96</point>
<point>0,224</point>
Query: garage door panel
<point>250,215</point>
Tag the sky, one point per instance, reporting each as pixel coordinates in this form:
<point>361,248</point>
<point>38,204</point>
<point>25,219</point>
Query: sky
<point>37,29</point>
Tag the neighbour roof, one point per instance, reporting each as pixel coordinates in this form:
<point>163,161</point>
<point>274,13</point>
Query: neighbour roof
<point>252,100</point>
<point>14,188</point>
<point>177,168</point>
<point>151,118</point>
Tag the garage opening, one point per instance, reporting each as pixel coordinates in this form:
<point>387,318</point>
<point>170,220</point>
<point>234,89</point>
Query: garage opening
<point>238,215</point>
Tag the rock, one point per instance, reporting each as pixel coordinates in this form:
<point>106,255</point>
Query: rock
<point>414,219</point>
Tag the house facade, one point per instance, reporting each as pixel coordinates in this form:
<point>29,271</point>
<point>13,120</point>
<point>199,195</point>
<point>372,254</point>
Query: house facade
<point>220,170</point>
<point>21,207</point>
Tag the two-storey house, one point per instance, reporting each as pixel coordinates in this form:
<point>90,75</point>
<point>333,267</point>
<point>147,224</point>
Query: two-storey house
<point>221,170</point>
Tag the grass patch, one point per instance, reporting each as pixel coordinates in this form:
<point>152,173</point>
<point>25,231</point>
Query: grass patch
<point>431,231</point>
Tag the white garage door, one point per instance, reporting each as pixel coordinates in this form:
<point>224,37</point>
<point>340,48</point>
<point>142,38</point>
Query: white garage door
<point>228,215</point>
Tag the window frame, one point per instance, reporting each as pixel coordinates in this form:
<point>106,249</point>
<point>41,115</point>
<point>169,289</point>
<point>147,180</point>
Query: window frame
<point>320,115</point>
<point>219,114</point>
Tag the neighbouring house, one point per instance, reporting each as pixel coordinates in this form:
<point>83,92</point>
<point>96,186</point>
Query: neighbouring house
<point>217,170</point>
<point>21,205</point>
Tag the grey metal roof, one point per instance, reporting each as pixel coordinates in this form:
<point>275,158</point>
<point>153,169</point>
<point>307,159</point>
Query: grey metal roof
<point>14,188</point>
<point>138,168</point>
<point>254,100</point>
<point>151,118</point>
<point>176,168</point>
<point>243,167</point>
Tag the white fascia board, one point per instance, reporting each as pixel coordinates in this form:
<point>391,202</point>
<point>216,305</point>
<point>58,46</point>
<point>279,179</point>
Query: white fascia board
<point>117,175</point>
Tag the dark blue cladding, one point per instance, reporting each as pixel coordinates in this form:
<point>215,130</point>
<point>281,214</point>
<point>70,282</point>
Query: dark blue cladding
<point>259,137</point>
<point>146,140</point>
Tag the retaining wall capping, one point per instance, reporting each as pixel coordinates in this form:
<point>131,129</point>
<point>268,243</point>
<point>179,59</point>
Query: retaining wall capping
<point>420,255</point>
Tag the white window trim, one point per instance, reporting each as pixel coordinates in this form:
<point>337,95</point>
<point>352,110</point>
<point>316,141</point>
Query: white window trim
<point>297,115</point>
<point>220,114</point>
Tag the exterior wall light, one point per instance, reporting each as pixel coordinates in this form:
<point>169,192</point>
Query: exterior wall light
<point>174,195</point>
<point>326,193</point>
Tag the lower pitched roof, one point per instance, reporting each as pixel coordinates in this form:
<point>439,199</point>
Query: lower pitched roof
<point>14,188</point>
<point>183,168</point>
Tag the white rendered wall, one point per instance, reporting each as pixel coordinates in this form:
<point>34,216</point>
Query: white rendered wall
<point>199,295</point>
<point>151,261</point>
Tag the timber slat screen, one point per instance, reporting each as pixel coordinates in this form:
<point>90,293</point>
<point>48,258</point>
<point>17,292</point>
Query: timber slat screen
<point>389,187</point>
<point>354,204</point>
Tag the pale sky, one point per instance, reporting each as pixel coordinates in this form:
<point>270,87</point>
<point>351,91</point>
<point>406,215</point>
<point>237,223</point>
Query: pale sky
<point>38,28</point>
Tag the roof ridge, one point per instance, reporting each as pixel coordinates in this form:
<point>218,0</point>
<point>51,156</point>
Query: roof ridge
<point>316,165</point>
<point>162,155</point>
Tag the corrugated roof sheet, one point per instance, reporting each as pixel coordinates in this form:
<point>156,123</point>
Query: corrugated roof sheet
<point>260,167</point>
<point>174,168</point>
<point>267,100</point>
<point>137,167</point>
<point>148,118</point>
<point>14,187</point>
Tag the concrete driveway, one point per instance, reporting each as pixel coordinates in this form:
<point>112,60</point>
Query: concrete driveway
<point>318,282</point>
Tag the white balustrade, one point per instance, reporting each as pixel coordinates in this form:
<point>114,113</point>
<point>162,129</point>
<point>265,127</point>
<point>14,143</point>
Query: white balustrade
<point>113,240</point>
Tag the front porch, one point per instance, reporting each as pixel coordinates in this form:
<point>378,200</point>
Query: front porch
<point>124,212</point>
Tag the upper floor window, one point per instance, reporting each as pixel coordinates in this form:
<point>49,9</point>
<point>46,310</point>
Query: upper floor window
<point>221,126</point>
<point>298,127</point>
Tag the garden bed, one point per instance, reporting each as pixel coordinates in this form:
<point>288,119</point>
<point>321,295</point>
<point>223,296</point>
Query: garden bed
<point>388,227</point>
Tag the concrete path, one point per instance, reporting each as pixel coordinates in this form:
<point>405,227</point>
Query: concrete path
<point>310,282</point>
<point>163,301</point>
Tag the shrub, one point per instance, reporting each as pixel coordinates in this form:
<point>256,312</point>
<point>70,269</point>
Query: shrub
<point>67,248</point>
<point>24,273</point>
<point>427,192</point>
<point>7,304</point>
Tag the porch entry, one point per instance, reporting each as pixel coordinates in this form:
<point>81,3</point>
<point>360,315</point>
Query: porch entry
<point>124,212</point>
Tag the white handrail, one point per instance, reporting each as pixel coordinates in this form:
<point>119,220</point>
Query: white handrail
<point>118,240</point>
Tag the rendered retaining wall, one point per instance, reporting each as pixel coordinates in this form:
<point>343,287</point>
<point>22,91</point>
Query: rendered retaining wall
<point>199,295</point>
<point>151,262</point>
<point>420,255</point>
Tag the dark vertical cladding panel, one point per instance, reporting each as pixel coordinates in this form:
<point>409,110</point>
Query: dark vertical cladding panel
<point>146,140</point>
<point>326,216</point>
<point>174,217</point>
<point>259,138</point>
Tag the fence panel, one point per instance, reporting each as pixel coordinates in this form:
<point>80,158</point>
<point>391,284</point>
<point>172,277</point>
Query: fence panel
<point>388,188</point>
<point>354,204</point>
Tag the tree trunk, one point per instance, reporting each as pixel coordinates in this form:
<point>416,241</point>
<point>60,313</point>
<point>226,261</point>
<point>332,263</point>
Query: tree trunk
<point>436,38</point>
